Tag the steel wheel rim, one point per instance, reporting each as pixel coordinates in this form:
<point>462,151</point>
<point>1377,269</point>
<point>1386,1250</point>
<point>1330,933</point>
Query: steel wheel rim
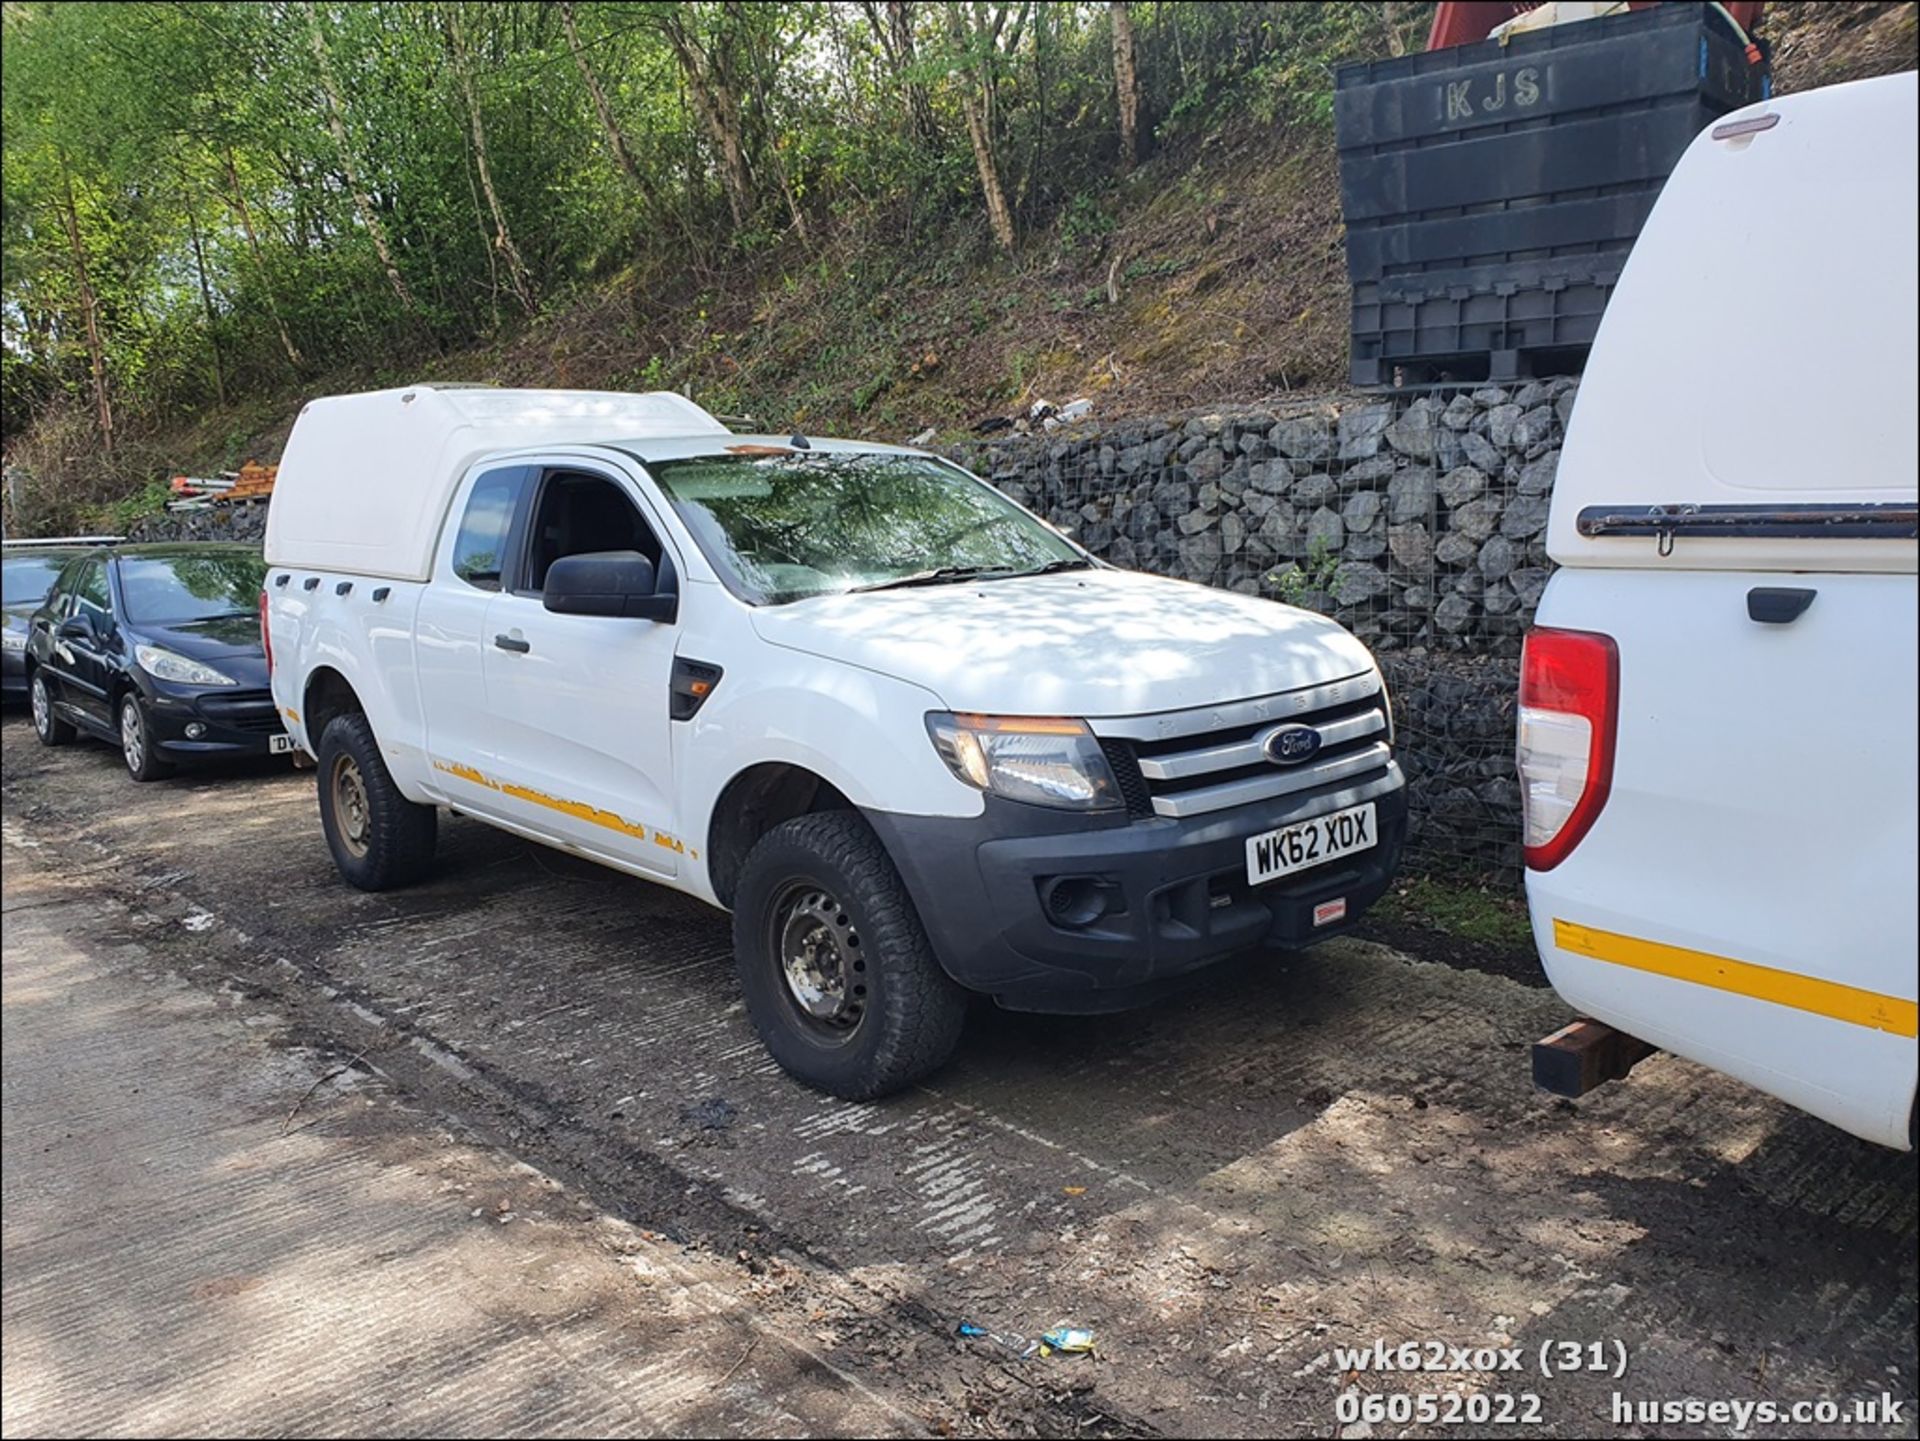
<point>822,965</point>
<point>133,738</point>
<point>353,815</point>
<point>42,705</point>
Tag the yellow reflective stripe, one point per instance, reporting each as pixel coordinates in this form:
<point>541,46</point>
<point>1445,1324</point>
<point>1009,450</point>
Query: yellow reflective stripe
<point>579,810</point>
<point>1742,978</point>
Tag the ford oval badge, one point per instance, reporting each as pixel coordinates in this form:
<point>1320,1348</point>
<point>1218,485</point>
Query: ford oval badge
<point>1291,745</point>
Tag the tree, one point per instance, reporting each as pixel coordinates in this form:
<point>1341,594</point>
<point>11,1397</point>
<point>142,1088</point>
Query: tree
<point>90,312</point>
<point>517,277</point>
<point>977,37</point>
<point>609,125</point>
<point>709,65</point>
<point>1126,83</point>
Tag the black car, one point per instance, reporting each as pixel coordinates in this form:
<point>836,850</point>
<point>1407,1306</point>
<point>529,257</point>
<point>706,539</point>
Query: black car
<point>155,648</point>
<point>27,573</point>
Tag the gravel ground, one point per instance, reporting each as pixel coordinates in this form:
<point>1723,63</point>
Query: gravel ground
<point>1308,1153</point>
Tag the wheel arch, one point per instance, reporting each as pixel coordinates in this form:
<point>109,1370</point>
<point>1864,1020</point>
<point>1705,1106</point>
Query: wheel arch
<point>752,803</point>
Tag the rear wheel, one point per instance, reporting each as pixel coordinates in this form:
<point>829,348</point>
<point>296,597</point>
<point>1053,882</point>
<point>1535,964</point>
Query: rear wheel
<point>378,837</point>
<point>51,730</point>
<point>839,978</point>
<point>136,743</point>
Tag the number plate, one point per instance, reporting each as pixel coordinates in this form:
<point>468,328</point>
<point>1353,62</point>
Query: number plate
<point>1306,844</point>
<point>279,745</point>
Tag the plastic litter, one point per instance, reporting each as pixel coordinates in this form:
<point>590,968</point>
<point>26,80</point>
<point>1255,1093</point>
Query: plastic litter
<point>1068,1340</point>
<point>1021,1346</point>
<point>1064,1338</point>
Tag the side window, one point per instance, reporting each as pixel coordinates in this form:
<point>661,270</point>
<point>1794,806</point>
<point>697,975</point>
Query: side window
<point>578,514</point>
<point>90,593</point>
<point>480,547</point>
<point>60,598</point>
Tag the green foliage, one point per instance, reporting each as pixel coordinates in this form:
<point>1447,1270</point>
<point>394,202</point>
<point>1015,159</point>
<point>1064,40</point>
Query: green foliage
<point>1460,907</point>
<point>1295,582</point>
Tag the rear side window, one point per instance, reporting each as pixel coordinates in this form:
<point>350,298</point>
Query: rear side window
<point>480,547</point>
<point>27,578</point>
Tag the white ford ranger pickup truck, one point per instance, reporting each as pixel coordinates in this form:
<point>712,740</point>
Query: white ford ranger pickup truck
<point>918,742</point>
<point>1717,712</point>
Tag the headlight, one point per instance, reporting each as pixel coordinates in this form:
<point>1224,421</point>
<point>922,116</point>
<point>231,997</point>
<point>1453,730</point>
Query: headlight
<point>1042,760</point>
<point>165,665</point>
<point>13,640</point>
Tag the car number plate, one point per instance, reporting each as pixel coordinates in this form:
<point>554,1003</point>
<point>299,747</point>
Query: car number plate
<point>1306,844</point>
<point>279,745</point>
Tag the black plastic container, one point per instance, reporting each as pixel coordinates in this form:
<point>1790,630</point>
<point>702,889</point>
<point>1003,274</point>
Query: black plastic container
<point>1491,191</point>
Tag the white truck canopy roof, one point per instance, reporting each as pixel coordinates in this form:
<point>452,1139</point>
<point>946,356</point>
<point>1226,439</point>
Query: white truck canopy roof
<point>366,479</point>
<point>1761,347</point>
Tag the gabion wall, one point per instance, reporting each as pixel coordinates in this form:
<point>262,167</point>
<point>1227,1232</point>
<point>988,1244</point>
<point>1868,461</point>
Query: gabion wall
<point>1418,522</point>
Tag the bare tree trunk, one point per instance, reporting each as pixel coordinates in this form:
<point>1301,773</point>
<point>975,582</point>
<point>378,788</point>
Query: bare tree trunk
<point>892,24</point>
<point>1390,23</point>
<point>206,299</point>
<point>1126,84</point>
<point>609,124</point>
<point>90,309</point>
<point>719,112</point>
<point>976,106</point>
<point>253,246</point>
<point>362,201</point>
<point>517,275</point>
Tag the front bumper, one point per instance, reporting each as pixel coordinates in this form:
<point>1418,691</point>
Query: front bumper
<point>13,674</point>
<point>232,722</point>
<point>1175,891</point>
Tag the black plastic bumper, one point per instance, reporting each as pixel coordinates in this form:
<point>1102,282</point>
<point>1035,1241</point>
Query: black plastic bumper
<point>1174,892</point>
<point>13,674</point>
<point>231,723</point>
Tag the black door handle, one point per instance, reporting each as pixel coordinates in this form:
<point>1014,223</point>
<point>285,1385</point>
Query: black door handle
<point>1777,605</point>
<point>507,642</point>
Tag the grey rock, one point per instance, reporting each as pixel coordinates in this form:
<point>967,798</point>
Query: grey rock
<point>1281,529</point>
<point>1325,533</point>
<point>1304,439</point>
<point>1412,547</point>
<point>1368,474</point>
<point>1207,464</point>
<point>1527,583</point>
<point>1353,584</point>
<point>1468,583</point>
<point>1413,433</point>
<point>1367,545</point>
<point>1497,558</point>
<point>1462,484</point>
<point>1257,503</point>
<point>1410,494</point>
<point>1563,407</point>
<point>1233,533</point>
<point>1459,413</point>
<point>1533,393</point>
<point>1526,515</point>
<point>1480,452</point>
<point>1253,445</point>
<point>1360,430</point>
<point>1499,599</point>
<point>1200,555</point>
<point>1314,490</point>
<point>1195,521</point>
<point>1477,519</point>
<point>1534,428</point>
<point>1361,510</point>
<point>1489,396</point>
<point>1417,598</point>
<point>1536,476</point>
<point>1454,614</point>
<point>1109,457</point>
<point>1273,476</point>
<point>1501,420</point>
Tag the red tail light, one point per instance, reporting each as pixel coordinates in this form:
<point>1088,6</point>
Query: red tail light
<point>266,639</point>
<point>1569,713</point>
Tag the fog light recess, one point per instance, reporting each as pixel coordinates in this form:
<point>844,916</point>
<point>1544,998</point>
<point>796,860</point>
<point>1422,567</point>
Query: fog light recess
<point>195,730</point>
<point>1077,900</point>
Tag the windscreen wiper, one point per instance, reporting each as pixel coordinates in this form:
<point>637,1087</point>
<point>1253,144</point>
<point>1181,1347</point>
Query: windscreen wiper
<point>940,575</point>
<point>1076,563</point>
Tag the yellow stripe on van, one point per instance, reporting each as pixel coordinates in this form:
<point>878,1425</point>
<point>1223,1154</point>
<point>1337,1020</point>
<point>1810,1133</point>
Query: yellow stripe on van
<point>1742,978</point>
<point>579,810</point>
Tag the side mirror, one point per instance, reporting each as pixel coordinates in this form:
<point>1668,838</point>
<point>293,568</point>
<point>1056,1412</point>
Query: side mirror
<point>77,627</point>
<point>609,582</point>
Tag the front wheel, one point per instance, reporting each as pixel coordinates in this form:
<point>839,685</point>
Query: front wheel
<point>48,727</point>
<point>838,975</point>
<point>136,743</point>
<point>378,837</point>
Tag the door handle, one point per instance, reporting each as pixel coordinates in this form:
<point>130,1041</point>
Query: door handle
<point>1777,605</point>
<point>513,643</point>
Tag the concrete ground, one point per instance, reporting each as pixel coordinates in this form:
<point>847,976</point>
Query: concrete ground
<point>1307,1153</point>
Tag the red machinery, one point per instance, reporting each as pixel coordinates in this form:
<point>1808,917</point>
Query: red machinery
<point>1461,22</point>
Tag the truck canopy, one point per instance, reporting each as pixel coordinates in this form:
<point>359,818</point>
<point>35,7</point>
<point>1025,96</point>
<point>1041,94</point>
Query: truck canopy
<point>366,479</point>
<point>1794,218</point>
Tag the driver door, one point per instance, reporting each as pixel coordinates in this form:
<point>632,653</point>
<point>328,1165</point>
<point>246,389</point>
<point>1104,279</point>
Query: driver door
<point>578,704</point>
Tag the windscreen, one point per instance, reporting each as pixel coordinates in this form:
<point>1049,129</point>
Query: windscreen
<point>174,589</point>
<point>26,579</point>
<point>786,527</point>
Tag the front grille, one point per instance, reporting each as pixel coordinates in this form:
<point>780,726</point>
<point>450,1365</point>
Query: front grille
<point>1193,762</point>
<point>252,711</point>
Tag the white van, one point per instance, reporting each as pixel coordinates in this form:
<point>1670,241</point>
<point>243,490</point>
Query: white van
<point>917,741</point>
<point>1717,726</point>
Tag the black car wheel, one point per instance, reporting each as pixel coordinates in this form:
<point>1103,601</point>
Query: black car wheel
<point>378,837</point>
<point>136,743</point>
<point>51,730</point>
<point>839,978</point>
